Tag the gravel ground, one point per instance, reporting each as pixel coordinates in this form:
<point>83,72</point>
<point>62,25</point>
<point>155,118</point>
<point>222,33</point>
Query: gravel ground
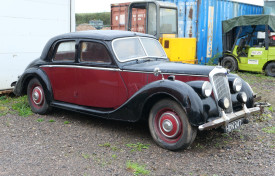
<point>66,143</point>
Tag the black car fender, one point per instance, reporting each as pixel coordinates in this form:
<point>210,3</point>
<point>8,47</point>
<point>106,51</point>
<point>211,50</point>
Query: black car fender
<point>141,102</point>
<point>29,73</point>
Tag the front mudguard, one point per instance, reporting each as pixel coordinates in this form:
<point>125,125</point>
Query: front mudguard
<point>176,90</point>
<point>245,88</point>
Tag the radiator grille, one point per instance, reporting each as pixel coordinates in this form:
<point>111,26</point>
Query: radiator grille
<point>222,90</point>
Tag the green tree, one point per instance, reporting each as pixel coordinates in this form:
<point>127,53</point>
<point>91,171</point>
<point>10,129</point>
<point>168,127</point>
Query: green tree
<point>86,17</point>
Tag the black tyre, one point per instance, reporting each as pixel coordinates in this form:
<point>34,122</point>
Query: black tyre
<point>170,127</point>
<point>37,98</point>
<point>270,69</point>
<point>230,63</point>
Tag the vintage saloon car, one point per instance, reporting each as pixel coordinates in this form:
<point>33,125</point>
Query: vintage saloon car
<point>127,76</point>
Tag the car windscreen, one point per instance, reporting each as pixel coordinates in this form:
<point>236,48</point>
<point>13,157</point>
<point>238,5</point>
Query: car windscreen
<point>132,48</point>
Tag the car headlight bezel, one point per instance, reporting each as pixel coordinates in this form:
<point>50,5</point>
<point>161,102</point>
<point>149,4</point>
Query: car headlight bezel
<point>206,89</point>
<point>237,85</point>
<point>242,97</point>
<point>224,103</point>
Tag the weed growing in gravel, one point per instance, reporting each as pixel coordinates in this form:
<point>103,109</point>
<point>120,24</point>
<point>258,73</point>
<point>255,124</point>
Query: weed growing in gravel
<point>114,156</point>
<point>66,122</point>
<point>270,130</point>
<point>138,146</point>
<point>264,118</point>
<point>107,144</point>
<point>199,146</point>
<point>114,148</point>
<point>271,109</point>
<point>51,120</point>
<point>85,156</point>
<point>136,168</point>
<point>40,120</point>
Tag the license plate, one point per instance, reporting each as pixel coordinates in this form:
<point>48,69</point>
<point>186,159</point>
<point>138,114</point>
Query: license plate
<point>233,125</point>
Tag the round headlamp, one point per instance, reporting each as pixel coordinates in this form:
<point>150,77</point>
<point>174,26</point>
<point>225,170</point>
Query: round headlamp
<point>206,89</point>
<point>224,103</point>
<point>242,97</point>
<point>237,84</point>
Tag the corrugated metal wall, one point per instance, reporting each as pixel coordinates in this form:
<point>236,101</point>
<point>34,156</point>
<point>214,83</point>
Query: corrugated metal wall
<point>202,19</point>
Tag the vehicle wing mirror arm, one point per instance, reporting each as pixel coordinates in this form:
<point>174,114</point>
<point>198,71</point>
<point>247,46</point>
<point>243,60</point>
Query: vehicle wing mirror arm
<point>157,72</point>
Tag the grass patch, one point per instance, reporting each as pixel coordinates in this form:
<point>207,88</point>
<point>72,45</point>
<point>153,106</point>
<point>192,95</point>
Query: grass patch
<point>270,130</point>
<point>3,110</point>
<point>138,146</point>
<point>18,105</point>
<point>107,144</point>
<point>51,120</point>
<point>85,156</point>
<point>114,156</point>
<point>40,120</point>
<point>66,122</point>
<point>21,106</point>
<point>136,168</point>
<point>114,148</point>
<point>270,109</point>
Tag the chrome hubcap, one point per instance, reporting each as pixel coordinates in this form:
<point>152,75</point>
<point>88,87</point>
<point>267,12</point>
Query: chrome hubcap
<point>169,125</point>
<point>37,95</point>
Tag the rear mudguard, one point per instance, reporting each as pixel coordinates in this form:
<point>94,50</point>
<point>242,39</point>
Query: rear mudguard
<point>22,83</point>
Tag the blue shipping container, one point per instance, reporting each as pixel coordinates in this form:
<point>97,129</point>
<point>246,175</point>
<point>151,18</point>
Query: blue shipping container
<point>202,19</point>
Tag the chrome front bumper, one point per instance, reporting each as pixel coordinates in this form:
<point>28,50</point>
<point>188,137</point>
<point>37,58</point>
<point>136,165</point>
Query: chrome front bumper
<point>226,118</point>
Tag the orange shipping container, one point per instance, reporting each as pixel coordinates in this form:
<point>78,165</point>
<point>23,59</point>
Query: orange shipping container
<point>119,18</point>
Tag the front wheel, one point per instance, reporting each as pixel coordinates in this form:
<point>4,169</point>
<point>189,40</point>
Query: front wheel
<point>37,98</point>
<point>170,127</point>
<point>270,69</point>
<point>230,63</point>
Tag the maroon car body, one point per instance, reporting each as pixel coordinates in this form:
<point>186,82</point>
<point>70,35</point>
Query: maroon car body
<point>94,73</point>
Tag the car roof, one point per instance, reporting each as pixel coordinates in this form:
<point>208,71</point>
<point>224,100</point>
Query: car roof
<point>102,34</point>
<point>106,35</point>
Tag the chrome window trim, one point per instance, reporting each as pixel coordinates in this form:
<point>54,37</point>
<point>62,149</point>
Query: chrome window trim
<point>83,67</point>
<point>139,38</point>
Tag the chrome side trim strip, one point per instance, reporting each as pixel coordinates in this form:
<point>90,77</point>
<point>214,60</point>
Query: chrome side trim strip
<point>180,74</point>
<point>117,69</point>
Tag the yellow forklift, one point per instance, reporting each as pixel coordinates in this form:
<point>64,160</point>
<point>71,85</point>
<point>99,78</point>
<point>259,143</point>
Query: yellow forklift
<point>161,20</point>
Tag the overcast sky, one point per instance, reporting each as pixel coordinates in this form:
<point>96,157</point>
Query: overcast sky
<point>92,6</point>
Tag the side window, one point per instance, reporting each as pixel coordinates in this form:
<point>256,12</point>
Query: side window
<point>94,52</point>
<point>65,51</point>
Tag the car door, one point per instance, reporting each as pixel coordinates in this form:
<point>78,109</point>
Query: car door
<point>61,71</point>
<point>99,83</point>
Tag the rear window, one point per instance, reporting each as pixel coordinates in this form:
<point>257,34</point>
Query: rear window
<point>65,51</point>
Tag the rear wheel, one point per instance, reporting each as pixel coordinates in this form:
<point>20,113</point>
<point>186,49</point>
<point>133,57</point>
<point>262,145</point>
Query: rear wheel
<point>170,127</point>
<point>270,69</point>
<point>230,63</point>
<point>37,98</point>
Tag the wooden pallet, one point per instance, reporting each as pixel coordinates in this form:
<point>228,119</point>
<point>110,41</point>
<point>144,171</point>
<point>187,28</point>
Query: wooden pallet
<point>8,91</point>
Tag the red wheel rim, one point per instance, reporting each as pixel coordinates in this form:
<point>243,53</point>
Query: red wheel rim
<point>37,96</point>
<point>168,125</point>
